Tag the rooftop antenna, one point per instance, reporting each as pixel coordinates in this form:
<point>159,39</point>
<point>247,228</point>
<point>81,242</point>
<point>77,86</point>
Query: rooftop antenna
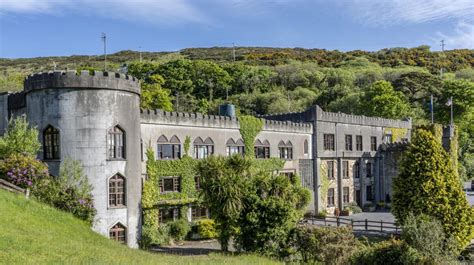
<point>140,50</point>
<point>104,39</point>
<point>233,51</point>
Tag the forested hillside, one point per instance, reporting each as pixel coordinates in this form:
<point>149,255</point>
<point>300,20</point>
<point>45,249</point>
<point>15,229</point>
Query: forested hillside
<point>391,83</point>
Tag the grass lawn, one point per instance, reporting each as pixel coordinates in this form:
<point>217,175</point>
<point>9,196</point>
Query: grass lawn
<point>34,233</point>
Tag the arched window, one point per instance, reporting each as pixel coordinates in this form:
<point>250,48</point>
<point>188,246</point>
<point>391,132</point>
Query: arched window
<point>305,147</point>
<point>117,191</point>
<point>168,149</point>
<point>116,143</point>
<point>203,149</point>
<point>51,143</point>
<point>119,233</point>
<point>285,150</point>
<point>262,149</point>
<point>233,147</point>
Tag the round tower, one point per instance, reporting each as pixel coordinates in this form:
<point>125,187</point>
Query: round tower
<point>93,118</point>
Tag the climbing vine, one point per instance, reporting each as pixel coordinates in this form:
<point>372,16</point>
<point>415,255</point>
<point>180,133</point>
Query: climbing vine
<point>187,144</point>
<point>397,133</point>
<point>249,128</point>
<point>324,183</point>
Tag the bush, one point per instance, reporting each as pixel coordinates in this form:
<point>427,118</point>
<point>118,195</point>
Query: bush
<point>69,192</point>
<point>353,207</point>
<point>179,229</point>
<point>19,139</point>
<point>322,245</point>
<point>393,252</point>
<point>425,234</point>
<point>23,171</point>
<point>207,228</point>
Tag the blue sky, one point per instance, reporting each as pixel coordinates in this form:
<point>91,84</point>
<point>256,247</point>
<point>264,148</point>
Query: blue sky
<point>31,28</point>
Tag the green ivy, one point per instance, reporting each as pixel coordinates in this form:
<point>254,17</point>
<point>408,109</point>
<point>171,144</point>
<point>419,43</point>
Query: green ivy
<point>249,128</point>
<point>397,133</point>
<point>324,183</point>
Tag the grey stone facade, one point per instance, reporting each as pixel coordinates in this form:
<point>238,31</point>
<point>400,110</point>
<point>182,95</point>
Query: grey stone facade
<point>83,107</point>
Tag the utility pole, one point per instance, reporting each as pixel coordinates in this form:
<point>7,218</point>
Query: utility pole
<point>442,51</point>
<point>233,52</point>
<point>140,50</point>
<point>104,39</point>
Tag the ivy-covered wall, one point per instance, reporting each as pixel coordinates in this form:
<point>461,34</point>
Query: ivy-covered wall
<point>397,133</point>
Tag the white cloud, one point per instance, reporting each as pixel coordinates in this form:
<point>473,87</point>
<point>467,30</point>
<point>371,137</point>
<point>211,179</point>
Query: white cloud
<point>462,37</point>
<point>150,11</point>
<point>392,12</point>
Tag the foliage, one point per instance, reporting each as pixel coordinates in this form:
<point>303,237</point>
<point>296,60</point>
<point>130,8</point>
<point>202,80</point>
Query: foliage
<point>187,144</point>
<point>69,192</point>
<point>392,251</point>
<point>179,229</point>
<point>427,183</point>
<point>11,82</point>
<point>324,183</point>
<point>397,133</point>
<point>34,233</point>
<point>153,96</point>
<point>382,101</point>
<point>206,228</point>
<point>353,207</point>
<point>23,171</point>
<point>249,128</point>
<point>326,245</point>
<point>19,138</point>
<point>426,235</point>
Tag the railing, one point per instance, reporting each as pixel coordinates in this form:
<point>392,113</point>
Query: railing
<point>13,188</point>
<point>356,225</point>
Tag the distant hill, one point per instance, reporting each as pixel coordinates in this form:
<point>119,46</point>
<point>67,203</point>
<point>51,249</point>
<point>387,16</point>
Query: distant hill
<point>34,233</point>
<point>392,57</point>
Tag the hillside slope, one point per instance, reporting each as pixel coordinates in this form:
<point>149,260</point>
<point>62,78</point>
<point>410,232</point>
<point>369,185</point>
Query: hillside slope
<point>34,233</point>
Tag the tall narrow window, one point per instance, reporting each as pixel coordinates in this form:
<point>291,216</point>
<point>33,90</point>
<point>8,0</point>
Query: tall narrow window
<point>117,188</point>
<point>368,170</point>
<point>51,143</point>
<point>373,143</point>
<point>348,142</point>
<point>368,193</point>
<point>168,149</point>
<point>359,142</point>
<point>197,183</point>
<point>203,149</point>
<point>329,142</point>
<point>388,138</point>
<point>305,147</point>
<point>234,147</point>
<point>119,233</point>
<point>356,170</point>
<point>330,197</point>
<point>285,150</point>
<point>116,143</point>
<point>345,194</point>
<point>345,169</point>
<point>262,150</point>
<point>330,169</point>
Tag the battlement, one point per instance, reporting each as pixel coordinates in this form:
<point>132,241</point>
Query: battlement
<point>82,80</point>
<point>216,121</point>
<point>315,113</point>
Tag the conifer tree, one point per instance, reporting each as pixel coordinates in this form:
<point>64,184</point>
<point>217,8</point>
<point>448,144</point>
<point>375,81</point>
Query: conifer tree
<point>428,184</point>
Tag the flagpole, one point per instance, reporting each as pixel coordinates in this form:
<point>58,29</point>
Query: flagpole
<point>452,103</point>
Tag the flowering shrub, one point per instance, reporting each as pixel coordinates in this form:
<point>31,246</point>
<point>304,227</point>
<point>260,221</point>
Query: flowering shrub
<point>23,171</point>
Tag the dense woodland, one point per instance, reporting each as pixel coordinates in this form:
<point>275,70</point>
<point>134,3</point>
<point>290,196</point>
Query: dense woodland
<point>391,83</point>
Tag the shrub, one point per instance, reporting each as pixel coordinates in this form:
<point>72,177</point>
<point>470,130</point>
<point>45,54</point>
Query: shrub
<point>426,235</point>
<point>322,245</point>
<point>179,229</point>
<point>207,228</point>
<point>393,252</point>
<point>353,207</point>
<point>23,171</point>
<point>427,183</point>
<point>19,139</point>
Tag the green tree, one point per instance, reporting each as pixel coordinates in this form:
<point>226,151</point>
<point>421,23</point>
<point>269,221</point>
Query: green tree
<point>427,183</point>
<point>19,138</point>
<point>154,96</point>
<point>382,101</point>
<point>177,75</point>
<point>209,80</point>
<point>418,86</point>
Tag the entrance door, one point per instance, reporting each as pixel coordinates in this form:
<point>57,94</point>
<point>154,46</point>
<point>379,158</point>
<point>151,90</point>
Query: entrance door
<point>358,198</point>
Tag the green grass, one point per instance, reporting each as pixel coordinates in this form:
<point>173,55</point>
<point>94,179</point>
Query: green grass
<point>34,233</point>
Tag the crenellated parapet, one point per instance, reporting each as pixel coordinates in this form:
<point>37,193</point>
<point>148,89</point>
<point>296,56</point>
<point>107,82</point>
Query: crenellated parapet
<point>82,80</point>
<point>215,121</point>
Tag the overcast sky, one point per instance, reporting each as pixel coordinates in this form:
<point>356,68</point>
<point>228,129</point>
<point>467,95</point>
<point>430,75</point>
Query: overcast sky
<point>30,28</point>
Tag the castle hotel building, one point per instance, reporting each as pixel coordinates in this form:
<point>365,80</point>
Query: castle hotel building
<point>96,119</point>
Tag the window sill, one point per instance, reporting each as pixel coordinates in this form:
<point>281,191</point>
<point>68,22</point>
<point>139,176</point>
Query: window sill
<point>116,207</point>
<point>116,159</point>
<point>168,192</point>
<point>52,160</point>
